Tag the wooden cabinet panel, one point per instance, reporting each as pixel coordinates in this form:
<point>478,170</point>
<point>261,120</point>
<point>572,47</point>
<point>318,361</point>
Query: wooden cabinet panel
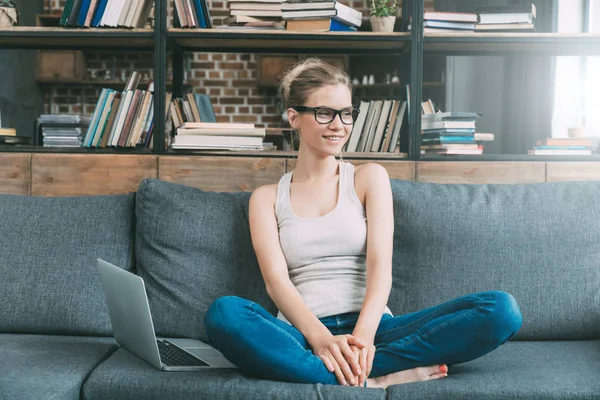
<point>89,174</point>
<point>221,174</point>
<point>480,172</point>
<point>15,173</point>
<point>572,171</point>
<point>404,170</point>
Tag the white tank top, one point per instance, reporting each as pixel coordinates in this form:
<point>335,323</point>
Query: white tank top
<point>326,256</point>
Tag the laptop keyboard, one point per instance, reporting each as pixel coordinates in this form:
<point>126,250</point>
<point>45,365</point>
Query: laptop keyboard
<point>173,356</point>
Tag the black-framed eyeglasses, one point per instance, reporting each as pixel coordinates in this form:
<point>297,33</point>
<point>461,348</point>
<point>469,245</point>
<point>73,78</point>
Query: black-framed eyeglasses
<point>325,115</point>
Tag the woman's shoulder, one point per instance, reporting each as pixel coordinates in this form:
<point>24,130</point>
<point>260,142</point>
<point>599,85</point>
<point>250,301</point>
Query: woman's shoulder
<point>368,171</point>
<point>265,194</point>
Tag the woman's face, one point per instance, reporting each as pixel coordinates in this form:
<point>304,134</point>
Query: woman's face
<point>324,138</point>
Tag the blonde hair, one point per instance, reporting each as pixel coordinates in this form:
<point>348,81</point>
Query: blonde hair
<point>305,77</point>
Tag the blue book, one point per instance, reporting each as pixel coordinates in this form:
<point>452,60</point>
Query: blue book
<point>96,117</point>
<point>205,108</point>
<point>83,11</point>
<point>200,13</point>
<point>100,7</point>
<point>338,26</point>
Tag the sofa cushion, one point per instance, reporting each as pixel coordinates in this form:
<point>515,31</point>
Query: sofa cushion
<point>48,367</point>
<point>517,371</point>
<point>125,376</point>
<point>539,242</point>
<point>192,247</point>
<point>49,248</point>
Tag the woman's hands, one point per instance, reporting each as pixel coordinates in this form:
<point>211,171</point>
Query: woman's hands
<point>338,355</point>
<point>365,358</point>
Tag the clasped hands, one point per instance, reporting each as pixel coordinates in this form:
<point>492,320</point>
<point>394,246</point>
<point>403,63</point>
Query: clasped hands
<point>348,357</point>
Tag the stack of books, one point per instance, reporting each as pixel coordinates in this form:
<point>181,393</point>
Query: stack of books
<point>377,128</point>
<point>562,147</point>
<point>451,133</point>
<point>63,130</point>
<point>320,15</point>
<point>443,21</point>
<point>193,13</point>
<point>303,15</point>
<point>123,119</point>
<point>509,18</point>
<point>218,136</point>
<point>106,13</point>
<point>254,14</point>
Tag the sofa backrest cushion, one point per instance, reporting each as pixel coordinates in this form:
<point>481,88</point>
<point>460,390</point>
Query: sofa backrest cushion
<point>539,242</point>
<point>49,282</point>
<point>193,247</point>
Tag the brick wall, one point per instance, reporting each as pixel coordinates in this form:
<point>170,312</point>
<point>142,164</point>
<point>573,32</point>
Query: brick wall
<point>229,78</point>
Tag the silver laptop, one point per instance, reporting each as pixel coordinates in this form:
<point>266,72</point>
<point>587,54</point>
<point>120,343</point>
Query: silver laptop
<point>132,325</point>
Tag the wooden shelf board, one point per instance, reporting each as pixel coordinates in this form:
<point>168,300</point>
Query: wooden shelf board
<point>98,83</point>
<point>73,150</point>
<point>284,154</point>
<point>510,42</point>
<point>26,37</point>
<point>235,39</point>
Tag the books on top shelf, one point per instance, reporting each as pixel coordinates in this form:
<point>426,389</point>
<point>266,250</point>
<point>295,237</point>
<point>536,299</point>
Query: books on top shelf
<point>123,119</point>
<point>562,147</point>
<point>192,13</point>
<point>347,17</point>
<point>377,128</point>
<point>508,18</point>
<point>450,132</point>
<point>106,13</point>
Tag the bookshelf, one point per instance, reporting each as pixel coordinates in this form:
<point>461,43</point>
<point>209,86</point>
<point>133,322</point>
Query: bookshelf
<point>174,42</point>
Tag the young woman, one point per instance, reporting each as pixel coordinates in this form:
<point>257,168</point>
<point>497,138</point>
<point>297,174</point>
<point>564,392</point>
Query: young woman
<point>323,238</point>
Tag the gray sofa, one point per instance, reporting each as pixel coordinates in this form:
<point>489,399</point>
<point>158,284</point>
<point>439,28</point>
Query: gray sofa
<point>539,242</point>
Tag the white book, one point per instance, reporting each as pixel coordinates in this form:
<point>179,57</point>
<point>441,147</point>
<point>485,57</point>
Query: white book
<point>348,14</point>
<point>127,5</point>
<point>260,132</point>
<point>205,140</point>
<point>133,10</point>
<point>107,12</point>
<point>357,127</point>
<point>397,127</point>
<point>118,125</point>
<point>425,125</point>
<point>381,125</point>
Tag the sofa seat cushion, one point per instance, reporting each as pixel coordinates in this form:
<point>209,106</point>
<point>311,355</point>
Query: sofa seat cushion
<point>518,370</point>
<point>48,367</point>
<point>192,247</point>
<point>125,376</point>
<point>48,249</point>
<point>539,242</point>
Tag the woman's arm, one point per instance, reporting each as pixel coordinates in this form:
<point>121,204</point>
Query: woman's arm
<point>374,182</point>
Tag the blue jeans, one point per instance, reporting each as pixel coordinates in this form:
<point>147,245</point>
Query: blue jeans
<point>456,331</point>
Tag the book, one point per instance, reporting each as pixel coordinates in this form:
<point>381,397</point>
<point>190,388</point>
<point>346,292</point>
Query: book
<point>318,25</point>
<point>245,132</point>
<point>451,16</point>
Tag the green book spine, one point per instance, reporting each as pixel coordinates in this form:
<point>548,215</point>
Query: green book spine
<point>66,12</point>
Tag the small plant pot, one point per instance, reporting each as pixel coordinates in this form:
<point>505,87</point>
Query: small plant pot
<point>382,24</point>
<point>8,17</point>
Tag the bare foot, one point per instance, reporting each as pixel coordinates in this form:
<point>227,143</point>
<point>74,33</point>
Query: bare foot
<point>409,375</point>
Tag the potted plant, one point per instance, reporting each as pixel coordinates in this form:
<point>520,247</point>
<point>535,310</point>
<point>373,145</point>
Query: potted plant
<point>383,15</point>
